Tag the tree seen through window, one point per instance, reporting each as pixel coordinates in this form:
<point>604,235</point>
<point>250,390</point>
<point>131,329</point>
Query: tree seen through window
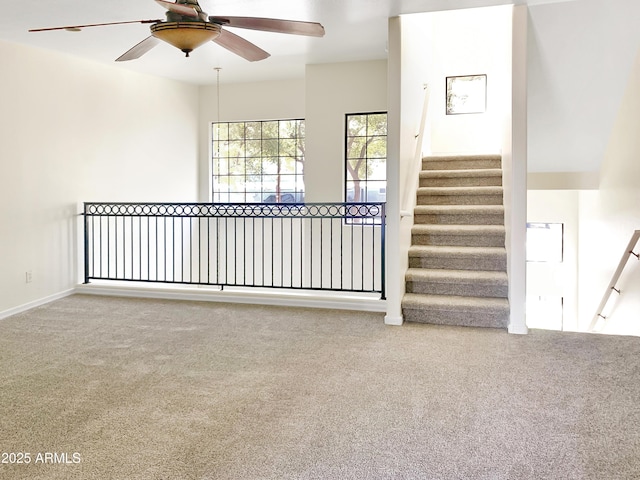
<point>258,162</point>
<point>366,157</point>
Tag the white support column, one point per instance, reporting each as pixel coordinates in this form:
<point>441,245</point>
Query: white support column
<point>516,201</point>
<point>395,275</point>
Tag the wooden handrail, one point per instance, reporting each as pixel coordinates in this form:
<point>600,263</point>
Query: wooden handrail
<point>616,276</point>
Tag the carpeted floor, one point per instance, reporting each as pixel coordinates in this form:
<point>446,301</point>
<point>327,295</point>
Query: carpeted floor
<point>113,388</point>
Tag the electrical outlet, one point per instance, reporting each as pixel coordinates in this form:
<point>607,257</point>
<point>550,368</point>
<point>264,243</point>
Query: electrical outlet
<point>28,277</point>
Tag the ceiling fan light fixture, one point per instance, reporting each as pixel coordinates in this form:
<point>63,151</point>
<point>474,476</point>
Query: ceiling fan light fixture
<point>185,36</point>
<point>187,27</point>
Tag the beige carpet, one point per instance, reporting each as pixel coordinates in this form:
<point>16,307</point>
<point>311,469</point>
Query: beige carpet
<point>145,389</point>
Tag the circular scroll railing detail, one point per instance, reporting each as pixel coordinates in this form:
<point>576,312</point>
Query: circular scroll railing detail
<point>245,210</point>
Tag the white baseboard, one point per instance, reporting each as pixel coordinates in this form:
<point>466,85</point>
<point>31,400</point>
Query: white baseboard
<point>390,320</point>
<point>518,329</point>
<point>35,303</point>
<point>229,295</point>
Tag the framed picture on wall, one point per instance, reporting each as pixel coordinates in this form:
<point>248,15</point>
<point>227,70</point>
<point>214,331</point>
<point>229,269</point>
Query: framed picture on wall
<point>466,94</point>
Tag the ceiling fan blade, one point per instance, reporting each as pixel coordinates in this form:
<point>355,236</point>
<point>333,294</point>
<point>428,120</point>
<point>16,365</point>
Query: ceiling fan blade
<point>79,27</point>
<point>179,8</point>
<point>240,46</point>
<point>312,29</point>
<point>138,50</point>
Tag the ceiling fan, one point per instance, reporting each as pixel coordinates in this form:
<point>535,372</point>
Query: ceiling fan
<point>187,27</point>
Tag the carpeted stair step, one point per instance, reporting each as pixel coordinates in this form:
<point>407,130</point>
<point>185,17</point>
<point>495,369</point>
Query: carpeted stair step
<point>461,178</point>
<point>459,214</point>
<point>461,162</point>
<point>458,235</point>
<point>464,283</point>
<point>459,196</point>
<point>456,310</point>
<point>458,258</point>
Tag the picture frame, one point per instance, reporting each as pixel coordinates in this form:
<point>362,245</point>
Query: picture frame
<point>466,94</point>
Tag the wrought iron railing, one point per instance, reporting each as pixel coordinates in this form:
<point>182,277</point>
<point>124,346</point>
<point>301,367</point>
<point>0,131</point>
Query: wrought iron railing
<point>318,246</point>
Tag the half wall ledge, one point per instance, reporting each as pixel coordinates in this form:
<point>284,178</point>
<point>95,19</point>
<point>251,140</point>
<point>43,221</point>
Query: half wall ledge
<point>256,296</point>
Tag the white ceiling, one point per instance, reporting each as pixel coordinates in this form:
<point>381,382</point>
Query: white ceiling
<point>355,30</point>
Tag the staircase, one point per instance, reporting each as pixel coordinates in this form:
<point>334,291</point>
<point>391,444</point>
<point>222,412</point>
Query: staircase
<point>457,260</point>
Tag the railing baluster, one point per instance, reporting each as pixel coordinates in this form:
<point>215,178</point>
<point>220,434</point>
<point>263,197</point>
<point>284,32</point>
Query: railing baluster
<point>362,262</point>
<point>321,250</point>
<point>109,247</point>
<point>301,253</point>
<point>131,243</point>
<point>272,220</point>
<point>341,256</point>
<point>353,266</point>
<point>163,247</point>
<point>115,242</point>
<point>171,252</point>
<point>209,251</point>
<point>244,249</point>
<point>333,225</point>
<point>200,249</point>
<point>311,253</point>
<point>373,259</point>
<point>190,249</point>
<point>148,249</point>
<point>86,244</point>
<point>157,272</point>
<point>218,250</point>
<point>234,222</point>
<point>139,248</point>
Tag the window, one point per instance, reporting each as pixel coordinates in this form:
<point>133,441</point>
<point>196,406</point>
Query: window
<point>258,162</point>
<point>366,157</point>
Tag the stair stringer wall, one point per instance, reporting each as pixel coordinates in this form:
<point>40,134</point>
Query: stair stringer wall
<point>407,74</point>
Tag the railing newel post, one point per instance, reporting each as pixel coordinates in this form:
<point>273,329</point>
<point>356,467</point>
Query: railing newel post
<point>383,251</point>
<point>86,244</point>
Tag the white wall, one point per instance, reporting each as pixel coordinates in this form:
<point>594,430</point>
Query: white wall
<point>603,223</point>
<point>580,56</point>
<point>469,42</point>
<point>551,279</point>
<point>609,217</point>
<point>74,131</point>
<point>332,91</point>
<point>577,51</point>
<point>322,98</point>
